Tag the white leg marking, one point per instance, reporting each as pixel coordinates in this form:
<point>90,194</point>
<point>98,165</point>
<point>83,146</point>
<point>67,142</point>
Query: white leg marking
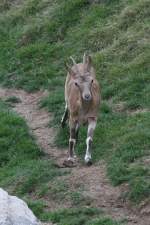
<point>74,156</point>
<point>62,119</point>
<point>76,130</point>
<point>77,127</point>
<point>72,159</point>
<point>64,113</point>
<point>73,140</point>
<point>91,128</point>
<point>66,106</point>
<point>88,153</point>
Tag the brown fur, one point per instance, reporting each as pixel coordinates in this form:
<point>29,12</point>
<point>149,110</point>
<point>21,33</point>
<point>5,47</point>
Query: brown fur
<point>78,109</point>
<point>82,96</point>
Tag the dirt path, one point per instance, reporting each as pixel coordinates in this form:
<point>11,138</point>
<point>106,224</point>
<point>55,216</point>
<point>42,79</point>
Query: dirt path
<point>96,185</point>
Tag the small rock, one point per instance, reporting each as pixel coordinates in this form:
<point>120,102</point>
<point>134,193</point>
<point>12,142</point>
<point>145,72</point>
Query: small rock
<point>146,211</point>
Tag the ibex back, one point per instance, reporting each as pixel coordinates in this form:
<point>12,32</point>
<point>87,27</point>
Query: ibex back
<point>82,97</point>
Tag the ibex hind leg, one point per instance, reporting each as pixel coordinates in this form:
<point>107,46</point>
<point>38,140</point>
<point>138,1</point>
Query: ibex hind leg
<point>70,162</point>
<point>64,117</point>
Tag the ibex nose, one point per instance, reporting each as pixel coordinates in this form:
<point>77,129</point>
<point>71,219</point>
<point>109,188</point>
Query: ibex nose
<point>87,97</point>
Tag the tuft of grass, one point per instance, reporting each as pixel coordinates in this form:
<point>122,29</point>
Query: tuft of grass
<point>77,198</point>
<point>13,100</point>
<point>18,145</point>
<point>103,221</point>
<point>80,216</point>
<point>37,207</point>
<point>58,190</point>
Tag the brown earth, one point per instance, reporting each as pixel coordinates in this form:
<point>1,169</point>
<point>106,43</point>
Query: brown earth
<point>96,186</point>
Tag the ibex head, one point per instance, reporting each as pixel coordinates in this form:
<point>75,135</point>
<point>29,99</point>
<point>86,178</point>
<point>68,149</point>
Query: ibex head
<point>82,76</point>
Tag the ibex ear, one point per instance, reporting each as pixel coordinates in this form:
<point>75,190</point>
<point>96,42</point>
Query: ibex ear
<point>70,70</point>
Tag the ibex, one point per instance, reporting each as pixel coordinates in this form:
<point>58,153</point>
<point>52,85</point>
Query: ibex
<point>82,97</point>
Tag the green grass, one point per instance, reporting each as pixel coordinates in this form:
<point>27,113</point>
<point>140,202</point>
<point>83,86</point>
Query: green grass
<point>13,99</point>
<point>17,145</point>
<point>121,140</point>
<point>27,172</point>
<point>37,37</point>
<point>80,216</point>
<point>24,169</point>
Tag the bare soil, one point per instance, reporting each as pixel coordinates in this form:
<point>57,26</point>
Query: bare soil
<point>94,181</point>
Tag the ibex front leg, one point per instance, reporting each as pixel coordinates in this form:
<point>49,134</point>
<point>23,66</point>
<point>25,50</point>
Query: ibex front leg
<point>89,140</point>
<point>70,162</point>
<point>72,141</point>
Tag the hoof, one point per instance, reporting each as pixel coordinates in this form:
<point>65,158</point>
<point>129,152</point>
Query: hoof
<point>88,160</point>
<point>63,124</point>
<point>89,163</point>
<point>69,163</point>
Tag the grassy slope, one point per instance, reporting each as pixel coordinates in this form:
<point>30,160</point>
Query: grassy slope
<point>24,171</point>
<point>38,36</point>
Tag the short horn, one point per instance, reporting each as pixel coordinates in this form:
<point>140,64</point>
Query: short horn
<point>74,63</point>
<point>84,58</point>
<point>69,69</point>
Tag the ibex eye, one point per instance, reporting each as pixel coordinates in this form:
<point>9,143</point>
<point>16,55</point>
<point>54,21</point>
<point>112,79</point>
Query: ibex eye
<point>92,81</point>
<point>76,83</point>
